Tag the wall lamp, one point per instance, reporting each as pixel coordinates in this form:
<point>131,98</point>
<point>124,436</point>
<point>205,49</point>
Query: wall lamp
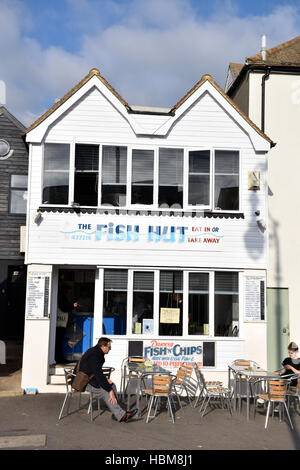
<point>260,222</point>
<point>38,218</point>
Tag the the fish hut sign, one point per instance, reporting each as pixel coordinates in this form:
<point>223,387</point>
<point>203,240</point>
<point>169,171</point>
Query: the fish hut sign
<point>173,353</point>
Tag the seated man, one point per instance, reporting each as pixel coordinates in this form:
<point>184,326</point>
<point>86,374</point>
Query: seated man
<point>91,363</point>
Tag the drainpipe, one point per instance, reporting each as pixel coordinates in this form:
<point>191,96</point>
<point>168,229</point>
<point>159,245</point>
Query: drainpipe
<point>263,95</point>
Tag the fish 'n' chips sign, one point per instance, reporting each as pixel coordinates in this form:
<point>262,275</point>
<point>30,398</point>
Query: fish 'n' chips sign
<point>173,353</point>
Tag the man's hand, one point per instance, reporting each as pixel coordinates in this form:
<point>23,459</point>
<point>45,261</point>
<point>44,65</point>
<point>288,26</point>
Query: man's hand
<point>109,381</point>
<point>112,397</point>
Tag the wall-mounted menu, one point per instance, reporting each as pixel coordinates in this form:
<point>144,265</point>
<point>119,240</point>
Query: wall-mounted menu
<point>254,298</point>
<point>38,295</point>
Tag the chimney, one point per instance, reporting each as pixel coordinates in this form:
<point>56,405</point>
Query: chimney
<point>264,47</point>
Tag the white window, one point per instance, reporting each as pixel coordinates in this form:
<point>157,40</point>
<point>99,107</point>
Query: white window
<point>114,176</point>
<point>226,191</point>
<point>171,303</point>
<point>18,194</point>
<point>56,174</point>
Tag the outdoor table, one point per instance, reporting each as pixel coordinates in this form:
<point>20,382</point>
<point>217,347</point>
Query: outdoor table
<point>141,370</point>
<point>249,373</point>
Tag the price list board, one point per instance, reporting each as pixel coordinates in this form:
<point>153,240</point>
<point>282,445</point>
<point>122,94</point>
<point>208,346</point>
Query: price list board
<point>38,295</point>
<point>254,298</point>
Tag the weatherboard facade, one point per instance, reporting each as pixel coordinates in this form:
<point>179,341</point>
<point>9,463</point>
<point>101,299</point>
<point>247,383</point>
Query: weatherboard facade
<point>148,238</point>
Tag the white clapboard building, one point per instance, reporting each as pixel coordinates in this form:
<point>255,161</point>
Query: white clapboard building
<point>155,221</point>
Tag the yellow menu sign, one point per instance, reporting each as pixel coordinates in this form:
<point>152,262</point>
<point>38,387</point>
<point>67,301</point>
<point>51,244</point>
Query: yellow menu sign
<point>169,315</point>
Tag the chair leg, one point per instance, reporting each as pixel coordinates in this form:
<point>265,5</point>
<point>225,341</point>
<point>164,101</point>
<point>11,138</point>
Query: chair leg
<point>149,408</point>
<point>63,405</point>
<point>170,409</point>
<point>91,405</point>
<point>288,415</point>
<point>267,417</point>
<point>206,406</point>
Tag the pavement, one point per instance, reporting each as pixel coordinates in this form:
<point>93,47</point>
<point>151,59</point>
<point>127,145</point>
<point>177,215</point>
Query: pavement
<point>30,422</point>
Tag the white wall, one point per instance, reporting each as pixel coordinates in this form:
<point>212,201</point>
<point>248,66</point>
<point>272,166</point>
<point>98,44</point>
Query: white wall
<point>282,125</point>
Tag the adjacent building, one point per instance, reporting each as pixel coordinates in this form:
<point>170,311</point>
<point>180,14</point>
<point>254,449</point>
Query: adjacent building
<point>148,218</point>
<point>13,201</point>
<point>267,88</point>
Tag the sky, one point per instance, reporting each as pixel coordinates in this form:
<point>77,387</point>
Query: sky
<point>151,51</point>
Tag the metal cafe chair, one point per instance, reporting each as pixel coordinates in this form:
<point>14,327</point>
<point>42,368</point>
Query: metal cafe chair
<point>238,379</point>
<point>107,371</point>
<point>127,374</point>
<point>294,392</point>
<point>273,391</point>
<point>70,392</point>
<point>183,381</point>
<point>212,391</point>
<point>201,383</point>
<point>161,387</point>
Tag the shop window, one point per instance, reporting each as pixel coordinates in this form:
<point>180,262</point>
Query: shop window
<point>115,302</point>
<point>226,180</point>
<point>198,318</point>
<point>142,308</point>
<point>226,304</point>
<point>142,177</point>
<point>18,194</point>
<point>199,178</point>
<point>114,175</point>
<point>170,191</point>
<point>86,174</point>
<point>56,174</point>
<point>170,303</point>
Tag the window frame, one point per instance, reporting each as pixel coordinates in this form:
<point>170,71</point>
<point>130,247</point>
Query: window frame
<point>17,188</point>
<point>156,294</point>
<point>233,211</point>
<point>211,179</point>
<point>155,148</point>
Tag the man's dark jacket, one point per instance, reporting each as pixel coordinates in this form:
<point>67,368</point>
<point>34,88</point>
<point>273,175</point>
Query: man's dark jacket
<point>91,363</point>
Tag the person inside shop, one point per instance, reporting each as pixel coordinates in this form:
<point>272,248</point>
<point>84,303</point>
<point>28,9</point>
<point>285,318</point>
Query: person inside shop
<point>91,363</point>
<point>291,364</point>
<point>64,310</point>
<point>84,301</point>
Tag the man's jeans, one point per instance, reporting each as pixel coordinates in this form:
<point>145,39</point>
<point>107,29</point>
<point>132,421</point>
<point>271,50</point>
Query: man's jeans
<point>101,393</point>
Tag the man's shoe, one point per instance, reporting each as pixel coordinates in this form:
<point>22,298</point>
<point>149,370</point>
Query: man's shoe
<point>128,416</point>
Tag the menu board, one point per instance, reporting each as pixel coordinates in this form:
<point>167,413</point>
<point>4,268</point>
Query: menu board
<point>254,298</point>
<point>169,315</point>
<point>37,295</point>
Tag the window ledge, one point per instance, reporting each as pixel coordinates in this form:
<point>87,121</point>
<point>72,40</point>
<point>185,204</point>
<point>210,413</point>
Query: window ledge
<point>152,212</point>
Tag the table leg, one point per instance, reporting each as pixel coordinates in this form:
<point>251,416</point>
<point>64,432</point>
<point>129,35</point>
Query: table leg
<point>248,401</point>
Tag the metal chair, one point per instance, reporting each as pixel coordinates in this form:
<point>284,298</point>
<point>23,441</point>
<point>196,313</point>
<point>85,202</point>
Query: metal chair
<point>212,392</point>
<point>294,392</point>
<point>126,374</point>
<point>239,379</point>
<point>161,387</point>
<point>107,371</point>
<point>273,391</point>
<point>70,392</point>
<point>201,383</point>
<point>183,381</point>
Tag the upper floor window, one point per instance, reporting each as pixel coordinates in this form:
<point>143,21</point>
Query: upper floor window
<point>170,190</point>
<point>226,180</point>
<point>114,176</point>
<point>199,178</point>
<point>18,194</point>
<point>169,178</point>
<point>86,174</point>
<point>56,174</point>
<point>142,177</point>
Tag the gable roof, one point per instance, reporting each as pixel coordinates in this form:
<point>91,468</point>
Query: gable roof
<point>209,78</point>
<point>93,72</point>
<point>287,53</point>
<point>4,111</point>
<point>173,113</point>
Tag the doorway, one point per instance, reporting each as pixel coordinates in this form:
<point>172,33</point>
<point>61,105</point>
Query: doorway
<point>75,313</point>
<point>278,333</point>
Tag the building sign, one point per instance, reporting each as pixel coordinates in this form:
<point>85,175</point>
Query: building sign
<point>37,295</point>
<point>254,298</point>
<point>131,232</point>
<point>173,353</point>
